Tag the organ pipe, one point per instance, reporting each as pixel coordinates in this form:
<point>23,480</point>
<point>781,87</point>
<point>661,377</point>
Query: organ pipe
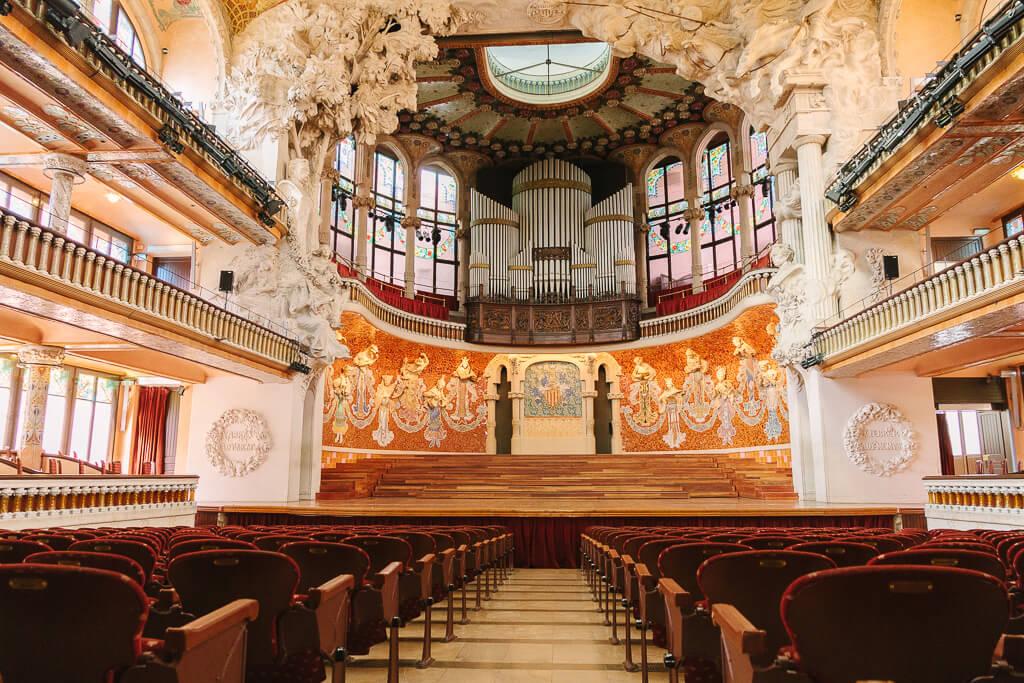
<point>552,244</point>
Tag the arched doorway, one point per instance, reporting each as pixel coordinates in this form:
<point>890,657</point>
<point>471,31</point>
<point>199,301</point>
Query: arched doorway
<point>602,413</point>
<point>503,415</point>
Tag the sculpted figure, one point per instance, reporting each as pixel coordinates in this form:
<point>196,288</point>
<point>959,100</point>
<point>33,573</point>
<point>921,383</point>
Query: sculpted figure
<point>642,372</point>
<point>742,349</point>
<point>694,363</point>
<point>366,357</point>
<point>464,371</point>
<point>413,369</point>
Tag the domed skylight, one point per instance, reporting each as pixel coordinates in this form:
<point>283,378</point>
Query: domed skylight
<point>548,74</point>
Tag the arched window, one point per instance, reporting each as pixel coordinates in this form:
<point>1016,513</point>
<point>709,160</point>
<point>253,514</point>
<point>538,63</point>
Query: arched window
<point>111,17</point>
<point>764,192</point>
<point>342,232</point>
<point>668,245</point>
<point>718,243</point>
<point>436,247</point>
<point>386,234</point>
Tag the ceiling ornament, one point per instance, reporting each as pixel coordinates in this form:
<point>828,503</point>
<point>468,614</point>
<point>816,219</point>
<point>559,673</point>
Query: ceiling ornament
<point>547,12</point>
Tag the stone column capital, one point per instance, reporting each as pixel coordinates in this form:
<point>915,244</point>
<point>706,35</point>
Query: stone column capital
<point>40,354</point>
<point>809,140</point>
<point>741,189</point>
<point>694,213</point>
<point>412,222</point>
<point>784,166</point>
<point>65,163</point>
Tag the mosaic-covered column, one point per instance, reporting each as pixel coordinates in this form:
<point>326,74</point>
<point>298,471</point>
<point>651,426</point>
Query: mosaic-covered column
<point>36,361</point>
<point>411,223</point>
<point>742,193</point>
<point>64,172</point>
<point>816,233</point>
<point>640,240</point>
<point>362,203</point>
<point>693,216</point>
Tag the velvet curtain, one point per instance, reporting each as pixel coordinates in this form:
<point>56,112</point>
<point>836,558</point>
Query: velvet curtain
<point>150,428</point>
<point>553,542</point>
<point>945,446</point>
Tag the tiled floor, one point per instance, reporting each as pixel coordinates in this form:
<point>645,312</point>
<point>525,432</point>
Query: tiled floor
<point>541,626</point>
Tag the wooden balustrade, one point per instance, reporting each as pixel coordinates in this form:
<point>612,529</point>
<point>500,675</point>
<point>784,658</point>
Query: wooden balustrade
<point>973,501</point>
<point>44,500</point>
<point>38,252</point>
<point>973,279</point>
<point>751,284</point>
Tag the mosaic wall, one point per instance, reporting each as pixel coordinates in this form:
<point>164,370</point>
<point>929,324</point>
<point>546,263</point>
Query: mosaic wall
<point>399,395</point>
<point>720,390</point>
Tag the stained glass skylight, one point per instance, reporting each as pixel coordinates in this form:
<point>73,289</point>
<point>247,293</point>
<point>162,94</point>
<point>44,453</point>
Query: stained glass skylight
<point>545,74</point>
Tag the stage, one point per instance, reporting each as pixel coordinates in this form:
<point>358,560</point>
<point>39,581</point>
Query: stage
<point>547,529</point>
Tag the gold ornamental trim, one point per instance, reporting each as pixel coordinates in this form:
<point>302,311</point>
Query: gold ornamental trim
<point>608,217</point>
<point>546,183</point>
<point>485,266</point>
<point>494,221</point>
<point>624,262</point>
<point>577,266</point>
<point>520,267</point>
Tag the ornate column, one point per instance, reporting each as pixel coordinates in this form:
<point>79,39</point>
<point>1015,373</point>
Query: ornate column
<point>64,172</point>
<point>742,193</point>
<point>816,235</point>
<point>411,223</point>
<point>787,207</point>
<point>640,240</point>
<point>362,203</point>
<point>693,216</point>
<point>36,362</point>
<point>462,235</point>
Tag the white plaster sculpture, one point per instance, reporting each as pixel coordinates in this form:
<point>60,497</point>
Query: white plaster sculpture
<point>238,442</point>
<point>879,440</point>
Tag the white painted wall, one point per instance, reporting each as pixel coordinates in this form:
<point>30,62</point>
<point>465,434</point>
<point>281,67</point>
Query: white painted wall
<point>906,245</point>
<point>832,402</point>
<point>277,480</point>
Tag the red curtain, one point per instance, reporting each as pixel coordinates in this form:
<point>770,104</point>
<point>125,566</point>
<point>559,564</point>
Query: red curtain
<point>553,542</point>
<point>945,446</point>
<point>150,428</point>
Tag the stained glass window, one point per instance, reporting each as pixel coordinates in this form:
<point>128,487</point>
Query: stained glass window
<point>111,17</point>
<point>763,197</point>
<point>6,392</point>
<point>719,245</point>
<point>668,242</point>
<point>387,253</point>
<point>1013,224</point>
<point>342,211</point>
<point>436,246</point>
<point>56,402</point>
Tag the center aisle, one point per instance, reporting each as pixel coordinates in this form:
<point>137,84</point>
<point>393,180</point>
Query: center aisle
<point>542,625</point>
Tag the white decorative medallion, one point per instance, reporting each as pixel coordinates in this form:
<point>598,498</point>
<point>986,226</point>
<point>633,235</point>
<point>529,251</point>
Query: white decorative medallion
<point>238,443</point>
<point>879,440</point>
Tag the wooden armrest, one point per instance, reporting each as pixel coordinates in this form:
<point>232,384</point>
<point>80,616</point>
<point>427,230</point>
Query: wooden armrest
<point>447,565</point>
<point>741,641</point>
<point>166,599</point>
<point>675,595</point>
<point>425,568</point>
<point>644,577</point>
<point>677,602</point>
<point>386,581</point>
<point>330,602</point>
<point>208,627</point>
<point>1011,650</point>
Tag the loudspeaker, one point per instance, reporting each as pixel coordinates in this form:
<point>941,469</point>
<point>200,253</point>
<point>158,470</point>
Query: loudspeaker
<point>891,266</point>
<point>227,281</point>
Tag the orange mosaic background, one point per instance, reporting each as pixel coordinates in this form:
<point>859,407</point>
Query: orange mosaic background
<point>668,360</point>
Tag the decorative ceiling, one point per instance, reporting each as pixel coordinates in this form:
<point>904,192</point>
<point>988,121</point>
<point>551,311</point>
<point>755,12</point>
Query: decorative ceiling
<point>460,107</point>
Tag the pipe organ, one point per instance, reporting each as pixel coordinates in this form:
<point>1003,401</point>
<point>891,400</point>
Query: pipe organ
<point>552,245</point>
<point>553,267</point>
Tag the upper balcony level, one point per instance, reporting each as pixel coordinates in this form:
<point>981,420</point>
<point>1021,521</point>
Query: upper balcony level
<point>939,187</point>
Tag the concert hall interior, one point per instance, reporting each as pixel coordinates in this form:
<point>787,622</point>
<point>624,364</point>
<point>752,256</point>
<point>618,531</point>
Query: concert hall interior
<point>535,340</point>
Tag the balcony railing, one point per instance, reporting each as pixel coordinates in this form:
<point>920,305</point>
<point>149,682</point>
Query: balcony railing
<point>970,502</point>
<point>359,293</point>
<point>936,102</point>
<point>176,122</point>
<point>982,278</point>
<point>751,284</point>
<point>35,251</point>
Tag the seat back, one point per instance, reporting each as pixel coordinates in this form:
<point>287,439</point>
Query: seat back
<point>632,546</point>
<point>210,579</point>
<point>106,561</point>
<point>55,541</point>
<point>912,624</point>
<point>421,543</point>
<point>753,582</point>
<point>986,563</point>
<point>200,544</point>
<point>883,544</point>
<point>649,552</point>
<point>727,537</point>
<point>67,623</point>
<point>383,550</point>
<point>319,562</point>
<point>681,562</point>
<point>961,545</point>
<point>331,536</point>
<point>767,542</point>
<point>15,550</point>
<point>274,541</point>
<point>843,553</point>
<point>140,552</point>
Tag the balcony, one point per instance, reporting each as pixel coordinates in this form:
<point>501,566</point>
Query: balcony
<point>41,270</point>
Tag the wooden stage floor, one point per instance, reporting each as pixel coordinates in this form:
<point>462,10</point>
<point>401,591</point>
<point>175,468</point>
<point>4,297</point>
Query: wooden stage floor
<point>548,507</point>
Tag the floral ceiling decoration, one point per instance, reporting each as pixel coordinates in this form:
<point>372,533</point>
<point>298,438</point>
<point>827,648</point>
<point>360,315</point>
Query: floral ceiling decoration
<point>459,106</point>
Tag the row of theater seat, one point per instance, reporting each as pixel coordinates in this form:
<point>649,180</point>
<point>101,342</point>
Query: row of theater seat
<point>227,604</point>
<point>814,605</point>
